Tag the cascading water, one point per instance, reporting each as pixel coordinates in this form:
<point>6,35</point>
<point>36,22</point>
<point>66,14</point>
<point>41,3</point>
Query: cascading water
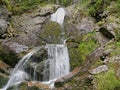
<point>58,17</point>
<point>56,66</point>
<point>58,61</point>
<point>19,75</point>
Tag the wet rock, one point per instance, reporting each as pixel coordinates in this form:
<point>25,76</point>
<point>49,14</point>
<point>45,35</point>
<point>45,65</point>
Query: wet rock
<point>37,85</point>
<point>21,86</point>
<point>36,64</point>
<point>3,80</point>
<point>99,69</point>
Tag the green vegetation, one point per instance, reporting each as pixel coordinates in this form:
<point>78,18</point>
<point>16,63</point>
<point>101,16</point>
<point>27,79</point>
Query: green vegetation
<point>107,80</point>
<point>87,45</point>
<point>7,3</point>
<point>65,2</point>
<point>115,46</point>
<point>22,6</point>
<point>25,5</point>
<point>3,81</point>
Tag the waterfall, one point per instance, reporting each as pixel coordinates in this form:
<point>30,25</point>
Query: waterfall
<point>58,61</point>
<point>58,17</point>
<point>55,67</point>
<point>19,75</point>
<point>57,64</point>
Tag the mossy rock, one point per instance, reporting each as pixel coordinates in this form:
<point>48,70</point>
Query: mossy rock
<point>3,81</point>
<point>51,33</point>
<point>33,88</point>
<point>78,54</point>
<point>114,46</point>
<point>8,56</point>
<point>21,86</point>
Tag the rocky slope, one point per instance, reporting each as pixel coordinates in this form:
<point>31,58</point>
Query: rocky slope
<point>92,38</point>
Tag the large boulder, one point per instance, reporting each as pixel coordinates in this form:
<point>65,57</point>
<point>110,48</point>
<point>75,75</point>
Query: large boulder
<point>99,69</point>
<point>104,35</point>
<point>51,33</point>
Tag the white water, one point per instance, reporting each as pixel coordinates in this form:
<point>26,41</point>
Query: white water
<point>18,74</point>
<point>58,16</point>
<point>58,61</point>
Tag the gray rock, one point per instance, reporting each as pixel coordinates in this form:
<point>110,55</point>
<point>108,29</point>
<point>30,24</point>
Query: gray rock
<point>3,26</point>
<point>32,21</point>
<point>17,48</point>
<point>29,39</point>
<point>85,25</point>
<point>4,13</point>
<point>99,69</point>
<point>107,52</point>
<point>118,72</point>
<point>115,59</point>
<point>101,38</point>
<point>4,18</point>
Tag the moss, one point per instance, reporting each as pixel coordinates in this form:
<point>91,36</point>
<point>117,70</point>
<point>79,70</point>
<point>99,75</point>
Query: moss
<point>97,63</point>
<point>21,86</point>
<point>3,81</point>
<point>86,45</point>
<point>7,3</point>
<point>75,59</point>
<point>8,56</point>
<point>27,5</point>
<point>107,80</point>
<point>115,46</point>
<point>51,33</point>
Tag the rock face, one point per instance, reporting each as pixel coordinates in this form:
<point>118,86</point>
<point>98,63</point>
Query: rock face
<point>4,20</point>
<point>33,21</point>
<point>99,69</point>
<point>28,25</point>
